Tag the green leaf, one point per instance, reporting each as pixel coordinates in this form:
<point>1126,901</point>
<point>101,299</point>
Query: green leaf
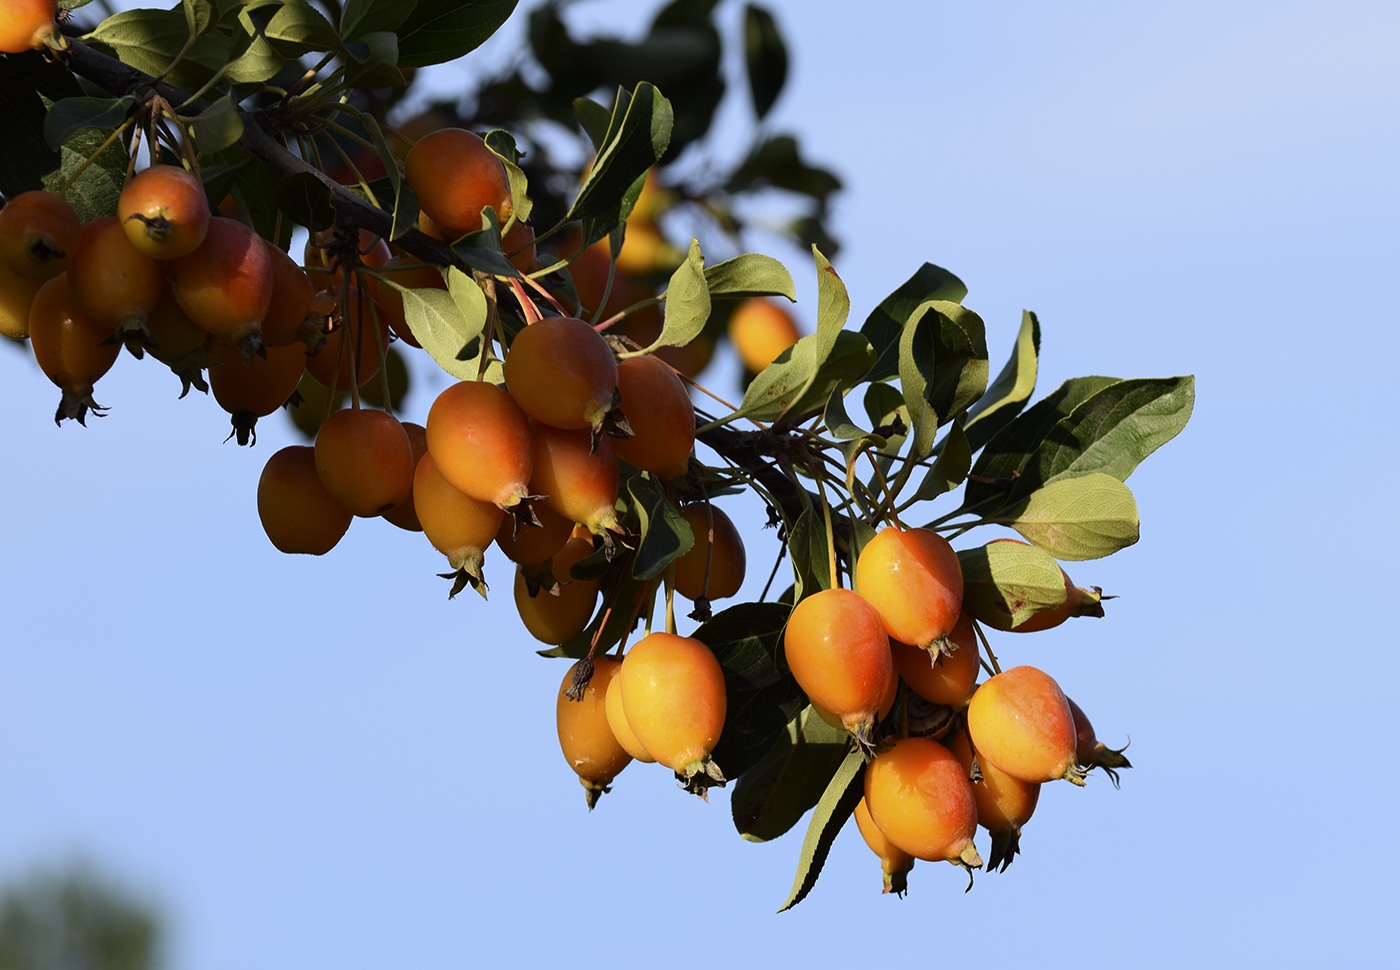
<point>255,189</point>
<point>1011,448</point>
<point>666,536</point>
<point>836,805</point>
<point>639,130</point>
<point>28,83</point>
<point>779,387</point>
<point>594,119</point>
<point>200,16</point>
<point>502,145</point>
<point>374,62</point>
<point>94,194</point>
<point>446,323</point>
<point>299,28</point>
<point>71,115</point>
<point>371,16</point>
<point>766,57</point>
<point>950,468</point>
<point>811,559</point>
<point>916,368</point>
<point>439,31</point>
<point>1006,582</point>
<point>752,274</point>
<point>1011,390</point>
<point>483,251</point>
<point>887,322</point>
<point>306,200</point>
<point>1088,517</point>
<point>687,304</point>
<point>960,359</point>
<point>217,127</point>
<point>776,164</point>
<point>772,796</point>
<point>405,201</point>
<point>148,40</point>
<point>254,59</point>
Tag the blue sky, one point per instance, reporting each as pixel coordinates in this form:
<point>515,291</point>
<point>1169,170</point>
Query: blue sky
<point>322,762</point>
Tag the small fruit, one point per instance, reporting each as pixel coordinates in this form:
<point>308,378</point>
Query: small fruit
<point>1092,753</point>
<point>919,796</point>
<point>673,695</point>
<point>661,417</point>
<point>1004,804</point>
<point>589,746</point>
<point>894,861</point>
<point>555,616</point>
<point>455,176</point>
<point>840,656</point>
<point>481,442</point>
<point>254,388</point>
<point>725,563</point>
<point>296,511</point>
<point>577,482</point>
<point>1021,721</point>
<point>117,285</point>
<point>71,348</point>
<point>532,545</point>
<point>16,297</point>
<point>225,285</point>
<point>562,372</point>
<point>459,526</point>
<point>291,315</point>
<point>365,461</point>
<point>164,212</point>
<point>519,246</point>
<point>405,516</point>
<point>938,677</point>
<point>761,330</point>
<point>39,233</point>
<point>914,581</point>
<point>617,721</point>
<point>29,25</point>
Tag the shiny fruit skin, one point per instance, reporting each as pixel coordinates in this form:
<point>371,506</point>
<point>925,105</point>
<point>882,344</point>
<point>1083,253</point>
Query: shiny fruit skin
<point>225,285</point>
<point>557,619</point>
<point>455,176</point>
<point>405,516</point>
<point>1021,721</point>
<point>1004,804</point>
<point>259,386</point>
<point>886,705</point>
<point>580,486</point>
<point>727,562</point>
<point>660,415</point>
<point>562,372</point>
<point>16,297</point>
<point>293,305</point>
<point>837,650</point>
<point>459,526</point>
<point>297,512</point>
<point>914,581</point>
<point>164,212</point>
<point>27,25</point>
<point>589,746</point>
<point>952,678</point>
<point>67,343</point>
<point>112,280</point>
<point>617,721</point>
<point>39,233</point>
<point>349,336</point>
<point>531,545</point>
<point>760,331</point>
<point>365,461</point>
<point>481,442</point>
<point>894,861</point>
<point>673,694</point>
<point>919,796</point>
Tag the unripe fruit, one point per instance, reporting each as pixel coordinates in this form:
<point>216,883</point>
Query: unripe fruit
<point>405,516</point>
<point>69,347</point>
<point>839,654</point>
<point>16,297</point>
<point>1004,804</point>
<point>557,617</point>
<point>481,442</point>
<point>919,796</point>
<point>459,526</point>
<point>673,694</point>
<point>942,678</point>
<point>254,388</point>
<point>661,417</point>
<point>365,461</point>
<point>296,511</point>
<point>39,233</point>
<point>589,745</point>
<point>894,861</point>
<point>726,562</point>
<point>914,581</point>
<point>617,722</point>
<point>761,330</point>
<point>28,25</point>
<point>164,212</point>
<point>116,285</point>
<point>226,284</point>
<point>1021,721</point>
<point>562,372</point>
<point>578,485</point>
<point>455,176</point>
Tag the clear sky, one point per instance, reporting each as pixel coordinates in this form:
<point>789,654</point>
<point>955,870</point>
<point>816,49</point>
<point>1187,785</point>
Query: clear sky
<point>323,763</point>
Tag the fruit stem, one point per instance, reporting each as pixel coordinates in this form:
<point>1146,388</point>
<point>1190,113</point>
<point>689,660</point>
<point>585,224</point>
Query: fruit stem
<point>889,497</point>
<point>488,333</point>
<point>834,579</point>
<point>527,306</point>
<point>987,647</point>
<point>671,598</point>
<point>546,294</point>
<point>380,344</point>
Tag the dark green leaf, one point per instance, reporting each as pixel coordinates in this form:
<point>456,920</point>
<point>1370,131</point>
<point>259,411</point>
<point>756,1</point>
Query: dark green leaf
<point>836,805</point>
<point>950,468</point>
<point>306,200</point>
<point>439,31</point>
<point>1013,387</point>
<point>148,40</point>
<point>299,28</point>
<point>370,16</point>
<point>502,144</point>
<point>1087,517</point>
<point>200,16</point>
<point>254,60</point>
<point>811,558</point>
<point>405,202</point>
<point>666,535</point>
<point>838,422</point>
<point>776,164</point>
<point>28,82</point>
<point>217,127</point>
<point>779,387</point>
<point>374,62</point>
<point>1005,583</point>
<point>639,130</point>
<point>687,303</point>
<point>94,194</point>
<point>772,796</point>
<point>960,359</point>
<point>482,250</point>
<point>594,119</point>
<point>72,115</point>
<point>766,57</point>
<point>751,274</point>
<point>886,323</point>
<point>255,189</point>
<point>916,369</point>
